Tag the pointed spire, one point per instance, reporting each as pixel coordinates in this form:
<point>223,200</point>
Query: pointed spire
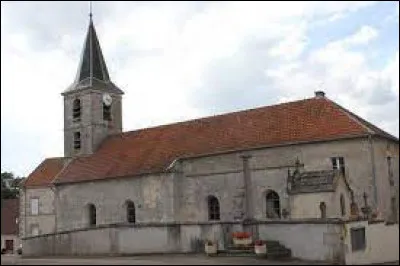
<point>92,62</point>
<point>92,70</point>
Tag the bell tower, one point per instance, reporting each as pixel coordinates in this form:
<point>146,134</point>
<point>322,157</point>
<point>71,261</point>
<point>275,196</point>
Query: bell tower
<point>92,103</point>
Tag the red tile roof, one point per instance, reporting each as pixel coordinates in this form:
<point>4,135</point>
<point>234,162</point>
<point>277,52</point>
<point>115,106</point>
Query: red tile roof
<point>9,214</point>
<point>45,172</point>
<point>152,150</point>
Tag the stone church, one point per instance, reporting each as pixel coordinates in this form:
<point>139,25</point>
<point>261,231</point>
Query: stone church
<point>164,188</point>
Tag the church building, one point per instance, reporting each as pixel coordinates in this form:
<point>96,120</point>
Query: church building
<point>165,188</point>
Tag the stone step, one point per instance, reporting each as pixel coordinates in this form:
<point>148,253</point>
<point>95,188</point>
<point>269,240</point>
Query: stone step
<point>236,253</point>
<point>240,251</point>
<point>240,247</point>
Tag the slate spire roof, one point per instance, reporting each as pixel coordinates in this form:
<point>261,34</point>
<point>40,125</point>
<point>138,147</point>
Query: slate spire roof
<point>92,69</point>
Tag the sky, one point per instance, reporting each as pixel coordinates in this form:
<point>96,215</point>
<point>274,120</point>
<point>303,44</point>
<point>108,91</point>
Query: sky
<point>177,61</point>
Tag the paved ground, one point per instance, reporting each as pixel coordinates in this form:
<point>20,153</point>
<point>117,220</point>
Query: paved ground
<point>147,260</point>
<point>153,260</point>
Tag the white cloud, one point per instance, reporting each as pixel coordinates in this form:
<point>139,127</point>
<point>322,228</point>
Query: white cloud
<point>363,36</point>
<point>176,61</point>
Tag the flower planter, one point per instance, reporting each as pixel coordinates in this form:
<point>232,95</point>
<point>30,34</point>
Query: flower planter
<point>242,241</point>
<point>210,249</point>
<point>260,249</point>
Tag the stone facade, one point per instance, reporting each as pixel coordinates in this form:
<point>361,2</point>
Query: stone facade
<point>92,127</point>
<point>308,205</point>
<point>151,195</point>
<point>45,220</point>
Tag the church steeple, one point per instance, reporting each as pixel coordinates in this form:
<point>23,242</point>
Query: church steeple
<point>92,104</point>
<point>92,63</point>
<point>92,69</point>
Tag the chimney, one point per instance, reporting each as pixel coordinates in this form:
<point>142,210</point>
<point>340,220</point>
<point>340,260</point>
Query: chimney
<point>319,94</point>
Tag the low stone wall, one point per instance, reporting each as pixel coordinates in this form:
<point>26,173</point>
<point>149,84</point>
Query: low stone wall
<point>127,239</point>
<point>381,243</point>
<point>312,240</point>
<point>318,241</point>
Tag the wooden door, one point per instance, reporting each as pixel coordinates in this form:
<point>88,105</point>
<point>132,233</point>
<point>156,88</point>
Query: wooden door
<point>9,244</point>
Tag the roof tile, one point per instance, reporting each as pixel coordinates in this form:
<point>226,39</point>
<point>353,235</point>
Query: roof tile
<point>154,149</point>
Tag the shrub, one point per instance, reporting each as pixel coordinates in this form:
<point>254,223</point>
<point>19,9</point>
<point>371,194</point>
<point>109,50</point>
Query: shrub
<point>19,251</point>
<point>3,251</point>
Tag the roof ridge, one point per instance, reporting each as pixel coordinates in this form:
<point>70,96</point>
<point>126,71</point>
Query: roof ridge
<point>214,116</point>
<point>62,169</point>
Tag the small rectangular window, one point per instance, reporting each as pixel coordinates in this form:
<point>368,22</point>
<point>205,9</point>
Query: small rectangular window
<point>34,206</point>
<point>107,112</point>
<point>357,238</point>
<point>390,170</point>
<point>338,163</point>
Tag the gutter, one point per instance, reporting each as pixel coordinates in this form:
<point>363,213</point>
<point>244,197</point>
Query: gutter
<point>373,170</point>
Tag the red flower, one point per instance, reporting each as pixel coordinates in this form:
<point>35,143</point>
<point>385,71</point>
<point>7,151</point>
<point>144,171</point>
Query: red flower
<point>241,235</point>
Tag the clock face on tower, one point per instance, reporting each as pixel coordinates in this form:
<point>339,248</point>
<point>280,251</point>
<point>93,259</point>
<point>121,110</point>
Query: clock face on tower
<point>107,99</point>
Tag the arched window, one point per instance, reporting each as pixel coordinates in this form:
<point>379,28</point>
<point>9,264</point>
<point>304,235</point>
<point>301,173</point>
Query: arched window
<point>130,212</point>
<point>273,208</point>
<point>322,208</point>
<point>342,205</point>
<point>92,214</point>
<point>76,110</point>
<point>213,208</point>
<point>106,112</point>
<point>77,140</point>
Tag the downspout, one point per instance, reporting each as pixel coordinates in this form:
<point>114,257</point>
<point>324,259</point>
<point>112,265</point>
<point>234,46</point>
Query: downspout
<point>373,168</point>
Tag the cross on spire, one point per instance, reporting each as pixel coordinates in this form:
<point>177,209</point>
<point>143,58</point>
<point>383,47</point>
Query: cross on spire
<point>90,10</point>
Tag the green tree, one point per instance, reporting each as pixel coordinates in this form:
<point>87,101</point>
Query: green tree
<point>8,189</point>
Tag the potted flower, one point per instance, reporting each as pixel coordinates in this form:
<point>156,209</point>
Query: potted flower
<point>241,238</point>
<point>210,247</point>
<point>260,248</point>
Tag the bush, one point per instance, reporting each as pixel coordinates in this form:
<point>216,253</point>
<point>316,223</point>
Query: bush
<point>19,251</point>
<point>3,251</point>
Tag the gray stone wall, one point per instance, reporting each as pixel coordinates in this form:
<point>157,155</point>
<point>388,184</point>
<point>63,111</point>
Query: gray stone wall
<point>222,175</point>
<point>45,219</point>
<point>92,126</point>
<point>151,195</point>
<point>383,148</point>
<point>319,242</point>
